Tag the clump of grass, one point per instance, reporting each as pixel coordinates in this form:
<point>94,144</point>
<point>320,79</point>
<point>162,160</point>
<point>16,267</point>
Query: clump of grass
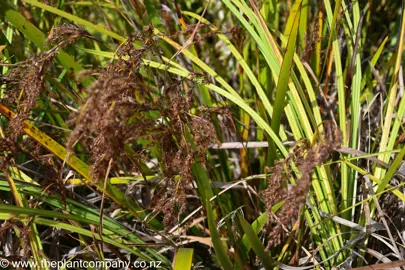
<point>139,114</point>
<point>121,108</point>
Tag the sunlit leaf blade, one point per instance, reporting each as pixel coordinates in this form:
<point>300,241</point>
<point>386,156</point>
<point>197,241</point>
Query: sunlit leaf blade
<point>256,244</point>
<point>183,259</point>
<point>259,224</point>
<point>206,193</point>
<point>284,77</point>
<point>75,19</point>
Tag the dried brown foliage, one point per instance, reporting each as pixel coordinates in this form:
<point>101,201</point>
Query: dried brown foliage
<point>305,157</point>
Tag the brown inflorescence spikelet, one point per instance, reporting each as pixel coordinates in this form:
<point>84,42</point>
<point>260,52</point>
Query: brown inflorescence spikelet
<point>66,34</point>
<point>306,158</point>
<point>26,82</point>
<point>116,115</point>
<point>32,81</point>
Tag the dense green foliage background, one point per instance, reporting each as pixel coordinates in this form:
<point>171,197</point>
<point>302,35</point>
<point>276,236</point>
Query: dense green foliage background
<point>123,121</point>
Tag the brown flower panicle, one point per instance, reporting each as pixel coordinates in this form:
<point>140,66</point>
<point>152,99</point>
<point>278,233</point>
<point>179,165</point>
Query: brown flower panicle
<point>27,81</point>
<point>305,157</point>
<point>117,113</point>
<point>66,34</point>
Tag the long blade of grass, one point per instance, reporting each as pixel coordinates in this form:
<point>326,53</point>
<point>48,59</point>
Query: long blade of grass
<point>249,73</point>
<point>391,171</point>
<point>75,19</point>
<point>183,259</point>
<point>34,239</point>
<point>77,212</point>
<point>206,193</point>
<point>398,193</point>
<point>256,244</point>
<point>373,62</point>
<point>259,223</point>
<point>387,136</point>
<point>24,214</point>
<point>284,77</point>
<point>332,20</point>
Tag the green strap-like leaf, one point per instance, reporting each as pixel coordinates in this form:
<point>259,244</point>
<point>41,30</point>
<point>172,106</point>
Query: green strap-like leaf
<point>391,171</point>
<point>183,259</point>
<point>284,77</point>
<point>77,212</point>
<point>205,194</point>
<point>75,19</point>
<point>256,243</point>
<point>259,223</point>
